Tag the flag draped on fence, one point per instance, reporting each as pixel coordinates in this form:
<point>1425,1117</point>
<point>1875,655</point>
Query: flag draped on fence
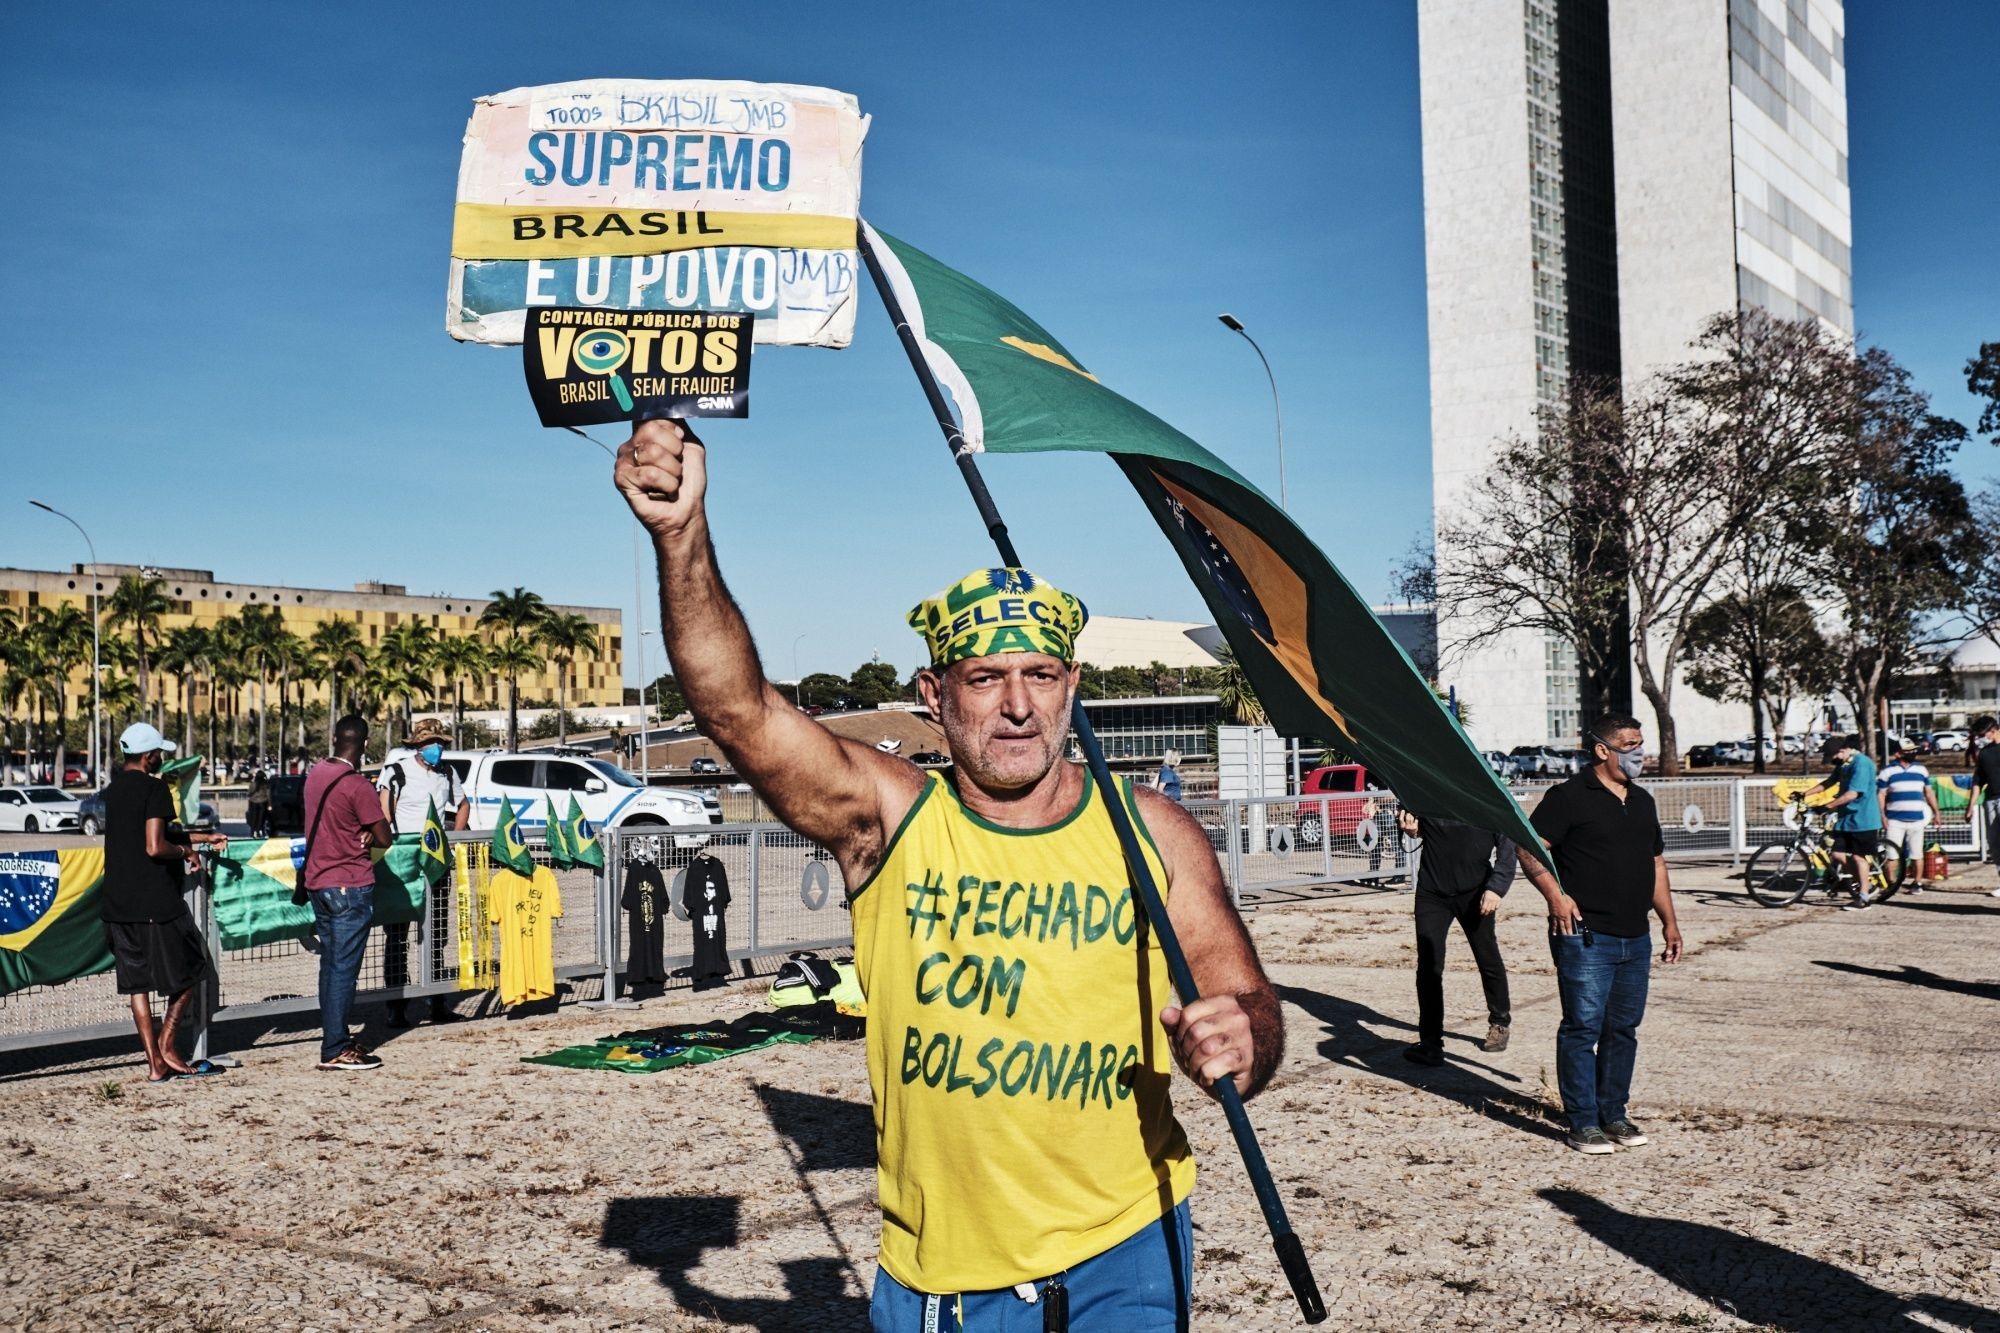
<point>509,848</point>
<point>1319,661</point>
<point>581,838</point>
<point>49,927</point>
<point>251,889</point>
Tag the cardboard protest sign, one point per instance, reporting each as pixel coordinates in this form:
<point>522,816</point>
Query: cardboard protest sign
<point>689,195</point>
<point>588,366</point>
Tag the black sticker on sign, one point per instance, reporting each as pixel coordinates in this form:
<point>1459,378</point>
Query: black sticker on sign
<point>593,365</point>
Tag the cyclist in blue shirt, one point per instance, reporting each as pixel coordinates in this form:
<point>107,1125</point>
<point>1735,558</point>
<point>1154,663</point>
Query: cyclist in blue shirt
<point>1857,817</point>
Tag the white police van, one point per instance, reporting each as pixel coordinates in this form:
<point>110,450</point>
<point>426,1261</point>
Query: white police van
<point>608,795</point>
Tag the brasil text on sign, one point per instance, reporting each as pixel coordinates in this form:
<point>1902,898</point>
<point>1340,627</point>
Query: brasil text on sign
<point>660,195</point>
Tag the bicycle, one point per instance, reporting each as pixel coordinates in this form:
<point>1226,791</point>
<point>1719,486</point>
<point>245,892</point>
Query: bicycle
<point>1782,872</point>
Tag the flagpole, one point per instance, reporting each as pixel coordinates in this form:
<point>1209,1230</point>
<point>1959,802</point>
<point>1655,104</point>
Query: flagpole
<point>1291,1254</point>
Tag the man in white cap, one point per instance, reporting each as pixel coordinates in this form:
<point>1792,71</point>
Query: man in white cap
<point>154,943</point>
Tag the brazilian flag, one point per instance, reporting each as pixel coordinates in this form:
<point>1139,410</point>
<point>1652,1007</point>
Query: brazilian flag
<point>49,927</point>
<point>436,855</point>
<point>552,836</point>
<point>1319,661</point>
<point>584,849</point>
<point>509,848</point>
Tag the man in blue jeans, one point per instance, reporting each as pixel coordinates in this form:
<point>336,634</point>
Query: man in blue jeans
<point>1605,835</point>
<point>343,824</point>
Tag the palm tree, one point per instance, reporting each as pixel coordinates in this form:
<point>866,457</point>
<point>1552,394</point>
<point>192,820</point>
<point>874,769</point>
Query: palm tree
<point>258,629</point>
<point>13,685</point>
<point>139,601</point>
<point>336,650</point>
<point>518,613</point>
<point>225,673</point>
<point>183,654</point>
<point>288,652</point>
<point>1234,695</point>
<point>565,634</point>
<point>60,641</point>
<point>403,660</point>
<point>512,656</point>
<point>460,657</point>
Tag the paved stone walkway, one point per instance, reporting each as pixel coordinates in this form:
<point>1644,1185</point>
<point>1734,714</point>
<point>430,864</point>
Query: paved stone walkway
<point>1821,1088</point>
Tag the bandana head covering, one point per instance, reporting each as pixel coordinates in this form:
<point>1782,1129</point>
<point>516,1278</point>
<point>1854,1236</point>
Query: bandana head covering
<point>991,611</point>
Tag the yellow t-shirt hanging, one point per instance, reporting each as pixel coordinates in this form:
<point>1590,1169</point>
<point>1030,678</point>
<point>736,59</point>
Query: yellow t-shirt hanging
<point>525,909</point>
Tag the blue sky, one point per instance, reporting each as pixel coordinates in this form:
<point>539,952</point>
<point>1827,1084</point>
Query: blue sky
<point>227,235</point>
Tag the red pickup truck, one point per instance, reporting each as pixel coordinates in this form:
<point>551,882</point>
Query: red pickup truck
<point>1343,816</point>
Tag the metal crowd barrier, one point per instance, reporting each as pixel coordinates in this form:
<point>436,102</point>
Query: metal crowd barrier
<point>786,894</point>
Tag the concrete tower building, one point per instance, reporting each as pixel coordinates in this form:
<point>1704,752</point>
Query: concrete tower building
<point>1601,176</point>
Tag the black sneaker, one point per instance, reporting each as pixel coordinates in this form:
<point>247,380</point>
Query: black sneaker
<point>1590,1139</point>
<point>1858,905</point>
<point>1421,1054</point>
<point>1625,1134</point>
<point>353,1060</point>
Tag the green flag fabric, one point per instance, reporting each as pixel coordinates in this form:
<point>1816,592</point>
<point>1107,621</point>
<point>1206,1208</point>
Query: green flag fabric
<point>49,927</point>
<point>436,854</point>
<point>560,855</point>
<point>1319,661</point>
<point>183,779</point>
<point>509,848</point>
<point>251,889</point>
<point>584,848</point>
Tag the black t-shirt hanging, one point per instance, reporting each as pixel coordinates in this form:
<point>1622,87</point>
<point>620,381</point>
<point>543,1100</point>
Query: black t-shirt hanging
<point>645,903</point>
<point>136,887</point>
<point>705,895</point>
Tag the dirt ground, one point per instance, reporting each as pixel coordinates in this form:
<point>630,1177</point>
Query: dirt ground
<point>1821,1088</point>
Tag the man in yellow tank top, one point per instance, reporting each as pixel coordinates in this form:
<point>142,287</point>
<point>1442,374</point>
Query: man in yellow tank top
<point>1022,1033</point>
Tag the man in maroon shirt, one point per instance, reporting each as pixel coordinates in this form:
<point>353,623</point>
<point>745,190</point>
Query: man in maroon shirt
<point>343,823</point>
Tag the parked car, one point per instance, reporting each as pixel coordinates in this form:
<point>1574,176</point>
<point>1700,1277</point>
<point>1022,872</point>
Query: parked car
<point>1502,764</point>
<point>37,810</point>
<point>1548,761</point>
<point>1702,756</point>
<point>704,764</point>
<point>608,795</point>
<point>1351,781</point>
<point>1949,742</point>
<point>90,815</point>
<point>930,759</point>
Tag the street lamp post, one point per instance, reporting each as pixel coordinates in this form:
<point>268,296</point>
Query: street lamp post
<point>645,709</point>
<point>638,609</point>
<point>1236,325</point>
<point>96,645</point>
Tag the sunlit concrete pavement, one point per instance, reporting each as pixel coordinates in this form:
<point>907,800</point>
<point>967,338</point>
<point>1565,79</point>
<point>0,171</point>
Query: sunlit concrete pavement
<point>1820,1087</point>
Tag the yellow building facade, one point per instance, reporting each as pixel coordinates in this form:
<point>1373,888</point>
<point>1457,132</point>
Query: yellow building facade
<point>197,598</point>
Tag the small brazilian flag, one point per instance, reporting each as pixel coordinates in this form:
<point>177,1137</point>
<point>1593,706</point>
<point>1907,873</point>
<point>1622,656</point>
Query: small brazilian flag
<point>509,849</point>
<point>435,860</point>
<point>582,838</point>
<point>560,854</point>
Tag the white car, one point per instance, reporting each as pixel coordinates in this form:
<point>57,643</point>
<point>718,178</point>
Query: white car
<point>608,795</point>
<point>37,810</point>
<point>1952,741</point>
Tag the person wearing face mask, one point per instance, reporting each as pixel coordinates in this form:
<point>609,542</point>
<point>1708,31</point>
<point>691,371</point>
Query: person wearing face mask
<point>155,945</point>
<point>410,781</point>
<point>1604,833</point>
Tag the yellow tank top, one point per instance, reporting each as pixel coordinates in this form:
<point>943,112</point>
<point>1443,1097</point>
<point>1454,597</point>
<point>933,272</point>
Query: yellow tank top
<point>1019,1069</point>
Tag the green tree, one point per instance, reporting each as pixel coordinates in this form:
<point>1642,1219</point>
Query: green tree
<point>58,641</point>
<point>566,636</point>
<point>822,689</point>
<point>139,602</point>
<point>1235,697</point>
<point>1900,549</point>
<point>459,658</point>
<point>258,630</point>
<point>513,617</point>
<point>402,664</point>
<point>336,651</point>
<point>1762,648</point>
<point>874,683</point>
<point>664,694</point>
<point>184,655</point>
<point>511,656</point>
<point>1982,379</point>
